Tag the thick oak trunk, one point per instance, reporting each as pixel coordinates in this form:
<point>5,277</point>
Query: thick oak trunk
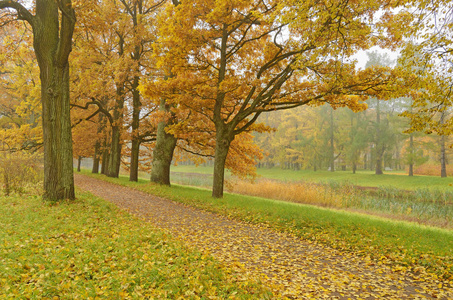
<point>163,152</point>
<point>105,161</point>
<point>114,163</point>
<point>113,169</point>
<point>135,155</point>
<point>223,141</point>
<point>162,155</point>
<point>58,168</point>
<point>96,158</point>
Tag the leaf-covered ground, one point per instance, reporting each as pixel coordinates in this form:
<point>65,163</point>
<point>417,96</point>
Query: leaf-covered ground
<point>291,267</point>
<point>89,249</point>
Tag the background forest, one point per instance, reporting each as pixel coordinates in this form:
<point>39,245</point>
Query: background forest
<point>314,138</point>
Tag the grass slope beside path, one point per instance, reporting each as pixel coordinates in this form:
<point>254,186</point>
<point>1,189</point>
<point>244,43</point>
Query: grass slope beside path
<point>89,249</point>
<point>406,246</point>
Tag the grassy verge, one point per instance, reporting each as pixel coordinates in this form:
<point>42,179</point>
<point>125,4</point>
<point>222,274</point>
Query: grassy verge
<point>406,246</point>
<point>88,249</point>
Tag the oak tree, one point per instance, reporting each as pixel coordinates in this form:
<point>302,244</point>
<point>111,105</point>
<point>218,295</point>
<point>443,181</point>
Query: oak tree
<point>53,25</point>
<point>234,60</point>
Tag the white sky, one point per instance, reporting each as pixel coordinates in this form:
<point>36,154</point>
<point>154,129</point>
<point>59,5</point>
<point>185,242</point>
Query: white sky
<point>362,57</point>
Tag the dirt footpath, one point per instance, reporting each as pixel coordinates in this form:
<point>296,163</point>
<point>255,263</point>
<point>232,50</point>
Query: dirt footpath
<point>292,267</point>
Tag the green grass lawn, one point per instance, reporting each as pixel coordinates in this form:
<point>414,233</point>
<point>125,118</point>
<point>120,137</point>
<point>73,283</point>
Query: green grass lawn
<point>403,244</point>
<point>88,249</point>
<point>362,178</point>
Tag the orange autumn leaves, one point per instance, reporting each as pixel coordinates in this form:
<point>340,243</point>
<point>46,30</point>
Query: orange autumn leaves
<point>219,65</point>
<point>227,62</point>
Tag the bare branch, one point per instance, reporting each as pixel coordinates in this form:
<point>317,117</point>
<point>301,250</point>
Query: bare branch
<point>22,12</point>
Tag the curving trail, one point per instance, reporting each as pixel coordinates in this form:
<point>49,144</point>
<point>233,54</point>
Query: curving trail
<point>293,268</point>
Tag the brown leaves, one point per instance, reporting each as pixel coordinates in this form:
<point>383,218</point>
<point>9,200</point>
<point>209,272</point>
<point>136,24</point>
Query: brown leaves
<point>291,267</point>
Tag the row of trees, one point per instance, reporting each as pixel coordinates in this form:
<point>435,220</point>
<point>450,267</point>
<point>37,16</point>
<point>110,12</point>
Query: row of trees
<point>319,138</point>
<point>379,137</point>
<point>149,77</point>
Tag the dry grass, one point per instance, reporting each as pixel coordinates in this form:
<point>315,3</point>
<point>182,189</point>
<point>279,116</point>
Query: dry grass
<point>393,203</point>
<point>300,192</point>
<point>20,173</point>
<point>432,169</point>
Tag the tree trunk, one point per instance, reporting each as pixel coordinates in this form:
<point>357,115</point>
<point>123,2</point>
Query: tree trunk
<point>7,188</point>
<point>96,158</point>
<point>411,153</point>
<point>379,150</point>
<point>135,151</point>
<point>162,155</point>
<point>105,161</point>
<point>163,152</point>
<point>332,148</point>
<point>222,146</point>
<point>58,168</point>
<point>443,160</point>
<point>378,166</point>
<point>135,156</point>
<point>113,169</point>
<point>97,147</point>
<point>79,163</point>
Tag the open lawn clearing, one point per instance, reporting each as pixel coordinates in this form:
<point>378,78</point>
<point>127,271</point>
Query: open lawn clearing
<point>289,265</point>
<point>361,178</point>
<point>89,249</point>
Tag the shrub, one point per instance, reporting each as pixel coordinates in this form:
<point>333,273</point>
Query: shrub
<point>20,172</point>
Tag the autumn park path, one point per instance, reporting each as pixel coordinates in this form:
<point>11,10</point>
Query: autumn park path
<point>291,267</point>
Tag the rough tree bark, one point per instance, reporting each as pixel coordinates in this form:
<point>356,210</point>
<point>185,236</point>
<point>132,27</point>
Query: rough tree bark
<point>79,163</point>
<point>113,169</point>
<point>163,152</point>
<point>135,149</point>
<point>224,137</point>
<point>105,161</point>
<point>52,41</point>
<point>96,158</point>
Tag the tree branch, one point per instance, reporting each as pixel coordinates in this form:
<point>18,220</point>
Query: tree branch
<point>22,12</point>
<point>66,31</point>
